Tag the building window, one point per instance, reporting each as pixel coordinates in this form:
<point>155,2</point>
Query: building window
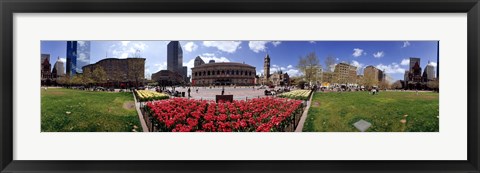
<point>208,73</point>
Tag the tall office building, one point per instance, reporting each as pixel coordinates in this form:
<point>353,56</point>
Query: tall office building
<point>373,75</point>
<point>175,59</point>
<point>174,56</point>
<point>45,66</point>
<point>414,64</point>
<point>345,73</point>
<point>83,55</point>
<point>71,58</point>
<point>429,72</point>
<point>59,67</point>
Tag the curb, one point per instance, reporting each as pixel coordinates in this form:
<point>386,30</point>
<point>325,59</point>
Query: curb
<point>304,115</point>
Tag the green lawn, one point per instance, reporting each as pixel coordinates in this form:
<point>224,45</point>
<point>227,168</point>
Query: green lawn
<point>337,112</point>
<point>89,111</point>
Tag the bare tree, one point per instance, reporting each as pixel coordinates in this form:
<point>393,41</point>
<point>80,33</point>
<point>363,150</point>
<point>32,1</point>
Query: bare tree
<point>397,84</point>
<point>329,62</point>
<point>310,66</point>
<point>384,84</point>
<point>433,85</point>
<point>370,80</point>
<point>136,71</point>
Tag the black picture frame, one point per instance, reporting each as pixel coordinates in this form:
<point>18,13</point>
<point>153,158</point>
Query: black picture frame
<point>9,7</point>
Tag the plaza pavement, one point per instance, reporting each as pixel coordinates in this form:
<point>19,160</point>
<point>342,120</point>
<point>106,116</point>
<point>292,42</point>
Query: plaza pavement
<point>239,93</point>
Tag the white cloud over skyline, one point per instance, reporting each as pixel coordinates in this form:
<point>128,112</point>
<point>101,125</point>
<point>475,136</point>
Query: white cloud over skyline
<point>357,52</point>
<point>190,47</point>
<point>226,46</point>
<point>261,46</point>
<point>379,54</point>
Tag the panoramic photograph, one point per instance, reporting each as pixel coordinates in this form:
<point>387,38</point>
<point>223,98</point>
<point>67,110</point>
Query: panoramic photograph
<point>239,86</point>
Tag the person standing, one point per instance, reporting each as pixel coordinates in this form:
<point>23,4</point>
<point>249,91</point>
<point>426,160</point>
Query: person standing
<point>223,90</point>
<point>188,92</point>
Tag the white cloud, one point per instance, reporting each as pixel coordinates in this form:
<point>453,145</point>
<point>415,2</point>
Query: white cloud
<point>160,66</point>
<point>405,62</point>
<point>391,68</point>
<point>64,60</point>
<point>190,47</point>
<point>432,63</point>
<point>208,54</point>
<point>261,46</point>
<point>389,79</point>
<point>358,65</point>
<point>379,54</point>
<point>125,49</point>
<point>357,52</point>
<point>406,44</point>
<point>226,46</point>
<point>276,43</point>
<point>290,69</point>
<point>332,67</point>
<point>313,42</point>
<point>140,46</point>
<point>125,43</point>
<point>293,72</point>
<point>82,57</point>
<point>257,46</point>
<point>81,43</point>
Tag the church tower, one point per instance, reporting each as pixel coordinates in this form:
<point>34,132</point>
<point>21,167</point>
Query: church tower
<point>266,67</point>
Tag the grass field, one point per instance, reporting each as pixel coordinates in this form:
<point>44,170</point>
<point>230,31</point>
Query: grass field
<point>337,112</point>
<point>88,111</point>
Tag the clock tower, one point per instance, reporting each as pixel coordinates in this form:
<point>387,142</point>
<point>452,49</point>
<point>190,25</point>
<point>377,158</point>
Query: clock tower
<point>266,67</point>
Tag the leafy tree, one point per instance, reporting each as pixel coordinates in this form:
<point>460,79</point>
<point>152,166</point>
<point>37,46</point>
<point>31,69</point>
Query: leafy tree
<point>99,75</point>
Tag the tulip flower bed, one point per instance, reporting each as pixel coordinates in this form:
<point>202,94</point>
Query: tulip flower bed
<point>188,115</point>
<point>297,94</point>
<point>146,95</point>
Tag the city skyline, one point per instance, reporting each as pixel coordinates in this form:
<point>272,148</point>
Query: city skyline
<point>390,56</point>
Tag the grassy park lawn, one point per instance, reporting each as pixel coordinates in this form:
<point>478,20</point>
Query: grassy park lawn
<point>337,112</point>
<point>88,111</point>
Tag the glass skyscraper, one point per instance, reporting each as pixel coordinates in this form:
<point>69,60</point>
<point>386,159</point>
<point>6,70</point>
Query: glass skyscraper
<point>175,59</point>
<point>71,58</point>
<point>83,55</point>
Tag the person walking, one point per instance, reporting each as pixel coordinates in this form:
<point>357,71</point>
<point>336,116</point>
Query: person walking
<point>223,90</point>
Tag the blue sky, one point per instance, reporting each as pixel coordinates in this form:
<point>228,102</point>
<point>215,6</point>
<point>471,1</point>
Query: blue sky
<point>391,56</point>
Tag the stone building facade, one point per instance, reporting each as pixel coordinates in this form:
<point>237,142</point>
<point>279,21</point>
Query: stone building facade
<point>121,70</point>
<point>222,73</point>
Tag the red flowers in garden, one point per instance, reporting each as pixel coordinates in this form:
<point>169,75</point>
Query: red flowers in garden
<point>188,115</point>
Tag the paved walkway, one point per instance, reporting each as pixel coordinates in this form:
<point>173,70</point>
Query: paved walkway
<point>206,93</point>
<point>140,115</point>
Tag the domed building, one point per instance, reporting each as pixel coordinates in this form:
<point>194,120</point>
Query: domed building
<point>222,73</point>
